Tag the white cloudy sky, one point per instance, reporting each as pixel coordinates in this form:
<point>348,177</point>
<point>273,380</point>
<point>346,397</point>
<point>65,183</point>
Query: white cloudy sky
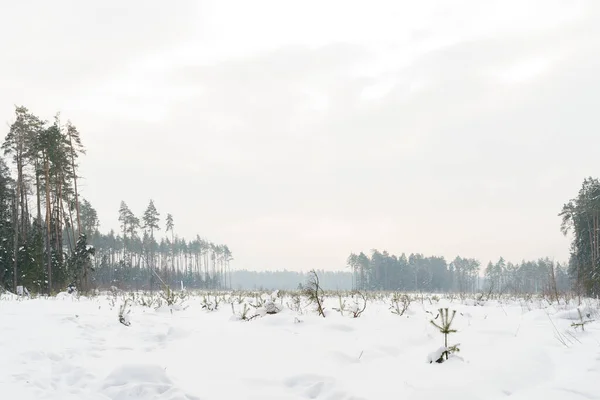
<point>297,132</point>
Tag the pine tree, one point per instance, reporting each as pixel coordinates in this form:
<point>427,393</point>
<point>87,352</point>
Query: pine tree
<point>581,216</point>
<point>445,328</point>
<point>170,228</point>
<point>75,148</point>
<point>127,219</point>
<point>150,220</point>
<point>81,263</point>
<point>89,218</point>
<point>6,228</point>
<point>17,144</point>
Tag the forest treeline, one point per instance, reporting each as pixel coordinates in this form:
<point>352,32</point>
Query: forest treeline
<point>288,280</point>
<point>50,238</point>
<point>49,235</point>
<point>580,219</point>
<point>382,271</point>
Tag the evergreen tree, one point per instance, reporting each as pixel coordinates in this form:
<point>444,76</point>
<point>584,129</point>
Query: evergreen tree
<point>151,218</point>
<point>150,221</point>
<point>581,217</point>
<point>81,263</point>
<point>88,218</point>
<point>8,277</point>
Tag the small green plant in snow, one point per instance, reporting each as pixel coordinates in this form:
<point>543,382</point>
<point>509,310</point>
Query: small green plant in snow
<point>445,327</point>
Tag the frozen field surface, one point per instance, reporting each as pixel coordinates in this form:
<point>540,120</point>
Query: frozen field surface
<point>75,348</point>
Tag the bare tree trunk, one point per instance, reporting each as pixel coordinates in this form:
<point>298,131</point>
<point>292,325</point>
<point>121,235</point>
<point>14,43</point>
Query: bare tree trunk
<point>591,238</point>
<point>72,227</point>
<point>596,250</point>
<point>48,212</point>
<point>206,271</point>
<point>26,212</point>
<point>21,194</point>
<point>61,218</point>
<point>16,238</point>
<point>172,252</point>
<point>56,213</point>
<point>38,195</point>
<point>75,183</point>
<point>68,234</point>
<point>553,282</point>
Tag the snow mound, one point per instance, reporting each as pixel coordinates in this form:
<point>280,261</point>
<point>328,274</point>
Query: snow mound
<point>65,296</point>
<point>141,382</point>
<point>573,314</point>
<point>435,355</point>
<point>5,294</point>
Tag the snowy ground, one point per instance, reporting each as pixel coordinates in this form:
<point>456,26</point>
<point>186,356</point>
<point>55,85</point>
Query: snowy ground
<point>75,348</point>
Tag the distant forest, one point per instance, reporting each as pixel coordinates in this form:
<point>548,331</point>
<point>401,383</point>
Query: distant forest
<point>288,280</point>
<point>50,238</point>
<point>382,271</point>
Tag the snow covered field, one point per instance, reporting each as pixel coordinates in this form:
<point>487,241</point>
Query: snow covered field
<point>75,348</point>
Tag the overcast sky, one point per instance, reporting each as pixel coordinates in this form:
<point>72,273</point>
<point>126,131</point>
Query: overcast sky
<point>298,132</point>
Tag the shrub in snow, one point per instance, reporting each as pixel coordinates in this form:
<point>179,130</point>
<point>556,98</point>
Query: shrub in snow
<point>145,301</point>
<point>400,303</point>
<point>582,320</point>
<point>313,291</point>
<point>239,299</point>
<point>359,305</point>
<point>124,311</point>
<point>209,305</point>
<point>244,313</point>
<point>296,303</point>
<point>342,306</point>
<point>258,301</point>
<point>271,307</point>
<point>445,327</point>
<point>170,297</point>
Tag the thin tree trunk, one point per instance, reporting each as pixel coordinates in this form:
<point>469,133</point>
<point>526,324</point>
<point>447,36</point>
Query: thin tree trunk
<point>57,225</point>
<point>20,193</point>
<point>16,237</point>
<point>26,212</point>
<point>595,235</point>
<point>75,183</point>
<point>48,245</point>
<point>61,218</point>
<point>74,244</point>
<point>68,236</point>
<point>38,194</point>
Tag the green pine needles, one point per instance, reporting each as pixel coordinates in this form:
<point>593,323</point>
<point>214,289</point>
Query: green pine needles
<point>445,327</point>
<point>582,321</point>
